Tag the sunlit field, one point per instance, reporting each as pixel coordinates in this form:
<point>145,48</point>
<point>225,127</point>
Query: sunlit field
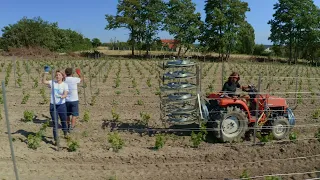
<point>121,120</point>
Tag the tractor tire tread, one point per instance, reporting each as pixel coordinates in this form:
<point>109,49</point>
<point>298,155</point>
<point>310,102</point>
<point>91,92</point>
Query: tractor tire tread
<point>285,121</point>
<point>221,116</point>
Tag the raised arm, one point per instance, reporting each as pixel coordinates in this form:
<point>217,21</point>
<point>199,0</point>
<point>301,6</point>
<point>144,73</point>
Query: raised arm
<point>44,78</point>
<point>81,77</point>
<point>79,74</point>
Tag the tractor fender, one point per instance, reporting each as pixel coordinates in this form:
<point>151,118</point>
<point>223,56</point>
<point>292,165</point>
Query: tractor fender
<point>237,102</point>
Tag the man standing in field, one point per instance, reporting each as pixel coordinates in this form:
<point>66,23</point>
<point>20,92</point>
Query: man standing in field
<point>72,100</point>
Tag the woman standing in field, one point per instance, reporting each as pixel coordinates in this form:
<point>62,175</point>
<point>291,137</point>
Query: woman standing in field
<point>58,95</point>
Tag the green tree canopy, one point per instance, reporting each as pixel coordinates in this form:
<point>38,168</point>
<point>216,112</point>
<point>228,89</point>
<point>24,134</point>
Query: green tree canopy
<point>183,22</point>
<point>152,17</point>
<point>245,39</point>
<point>143,19</point>
<point>96,42</point>
<point>258,49</point>
<point>1,43</point>
<point>295,24</point>
<point>36,32</point>
<point>222,24</point>
<point>128,16</point>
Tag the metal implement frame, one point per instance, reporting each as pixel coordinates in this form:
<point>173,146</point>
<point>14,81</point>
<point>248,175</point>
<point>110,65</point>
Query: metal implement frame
<point>178,92</point>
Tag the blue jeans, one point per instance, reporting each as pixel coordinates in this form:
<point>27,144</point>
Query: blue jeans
<point>61,111</point>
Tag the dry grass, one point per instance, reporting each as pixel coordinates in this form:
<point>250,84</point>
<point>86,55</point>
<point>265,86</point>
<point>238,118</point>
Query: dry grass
<point>236,57</point>
<point>41,53</point>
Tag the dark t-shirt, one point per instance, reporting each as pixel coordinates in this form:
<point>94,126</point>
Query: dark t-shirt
<point>230,88</point>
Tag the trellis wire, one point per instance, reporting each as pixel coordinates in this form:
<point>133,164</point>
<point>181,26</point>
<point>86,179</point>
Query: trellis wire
<point>204,162</point>
<point>272,175</point>
<point>286,98</point>
<point>198,129</point>
<point>277,92</point>
<point>285,77</point>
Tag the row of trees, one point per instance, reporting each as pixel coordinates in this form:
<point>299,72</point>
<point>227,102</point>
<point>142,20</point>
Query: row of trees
<point>294,27</point>
<point>225,29</point>
<point>258,49</point>
<point>145,18</point>
<point>36,32</point>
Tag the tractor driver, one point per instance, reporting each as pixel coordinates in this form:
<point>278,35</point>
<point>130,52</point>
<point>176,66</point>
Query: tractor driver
<point>230,87</point>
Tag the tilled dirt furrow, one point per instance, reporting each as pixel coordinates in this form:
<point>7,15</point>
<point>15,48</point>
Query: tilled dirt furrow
<point>157,170</point>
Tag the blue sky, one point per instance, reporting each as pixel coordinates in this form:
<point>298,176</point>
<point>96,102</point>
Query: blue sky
<point>88,17</point>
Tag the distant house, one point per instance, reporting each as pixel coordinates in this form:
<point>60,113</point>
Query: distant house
<point>267,48</point>
<point>170,43</point>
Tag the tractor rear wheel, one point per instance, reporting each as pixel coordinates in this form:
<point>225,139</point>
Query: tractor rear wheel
<point>231,125</point>
<point>280,128</point>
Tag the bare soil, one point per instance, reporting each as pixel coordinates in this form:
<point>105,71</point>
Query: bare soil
<point>137,159</point>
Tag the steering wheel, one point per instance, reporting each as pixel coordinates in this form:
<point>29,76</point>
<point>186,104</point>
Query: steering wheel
<point>248,89</point>
<point>222,95</point>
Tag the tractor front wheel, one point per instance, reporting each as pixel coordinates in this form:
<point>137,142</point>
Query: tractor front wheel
<point>230,125</point>
<point>280,128</point>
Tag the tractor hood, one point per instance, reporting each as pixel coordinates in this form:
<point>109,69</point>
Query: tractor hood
<point>274,101</point>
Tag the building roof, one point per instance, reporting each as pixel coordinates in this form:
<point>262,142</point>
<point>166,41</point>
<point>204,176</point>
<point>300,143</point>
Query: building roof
<point>170,42</point>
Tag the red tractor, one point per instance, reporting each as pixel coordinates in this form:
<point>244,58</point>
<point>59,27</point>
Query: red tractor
<point>231,118</point>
